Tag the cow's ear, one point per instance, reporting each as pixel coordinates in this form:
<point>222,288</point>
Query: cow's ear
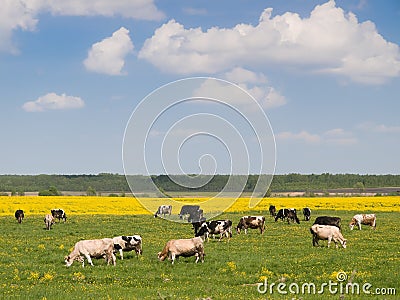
<point>125,238</point>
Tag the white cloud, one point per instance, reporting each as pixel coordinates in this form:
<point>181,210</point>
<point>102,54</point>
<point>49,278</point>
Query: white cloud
<point>256,85</point>
<point>23,14</point>
<point>52,101</point>
<point>301,136</point>
<point>108,56</point>
<point>328,41</point>
<point>379,128</point>
<point>337,136</point>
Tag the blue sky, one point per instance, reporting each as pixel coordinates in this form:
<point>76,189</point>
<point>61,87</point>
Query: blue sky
<point>327,75</point>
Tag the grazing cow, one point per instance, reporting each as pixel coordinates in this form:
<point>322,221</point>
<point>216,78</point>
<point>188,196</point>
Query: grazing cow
<point>92,248</point>
<point>221,227</point>
<point>327,220</point>
<point>48,221</point>
<point>365,219</point>
<point>196,216</point>
<point>196,225</point>
<point>59,214</point>
<point>19,215</point>
<point>290,214</point>
<point>272,210</point>
<point>128,243</point>
<point>183,247</point>
<point>252,222</point>
<point>327,232</point>
<point>193,212</point>
<point>163,210</point>
<point>307,214</point>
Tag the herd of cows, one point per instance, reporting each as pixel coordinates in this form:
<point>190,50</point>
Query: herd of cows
<point>324,228</point>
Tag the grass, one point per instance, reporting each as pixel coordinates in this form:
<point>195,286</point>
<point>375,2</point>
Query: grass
<point>31,260</point>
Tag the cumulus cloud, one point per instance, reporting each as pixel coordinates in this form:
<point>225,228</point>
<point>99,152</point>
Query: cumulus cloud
<point>328,41</point>
<point>108,56</point>
<point>256,84</point>
<point>23,14</point>
<point>52,101</point>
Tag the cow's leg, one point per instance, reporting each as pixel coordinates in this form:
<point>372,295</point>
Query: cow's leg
<point>121,254</point>
<point>329,241</point>
<point>245,230</point>
<point>113,259</point>
<point>173,257</point>
<point>359,225</point>
<point>89,259</point>
<point>197,257</point>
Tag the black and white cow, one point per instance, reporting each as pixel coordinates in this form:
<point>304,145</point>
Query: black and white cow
<point>221,227</point>
<point>272,210</point>
<point>163,210</point>
<point>59,214</point>
<point>307,213</point>
<point>252,222</point>
<point>290,214</point>
<point>196,225</point>
<point>19,215</point>
<point>126,243</point>
<point>327,220</point>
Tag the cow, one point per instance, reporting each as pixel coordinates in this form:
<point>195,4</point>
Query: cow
<point>163,210</point>
<point>59,214</point>
<point>307,213</point>
<point>272,210</point>
<point>327,220</point>
<point>183,247</point>
<point>365,219</point>
<point>127,243</point>
<point>252,222</point>
<point>48,221</point>
<point>196,225</point>
<point>290,214</point>
<point>196,216</point>
<point>327,232</point>
<point>19,215</point>
<point>92,248</point>
<point>193,213</point>
<point>221,227</point>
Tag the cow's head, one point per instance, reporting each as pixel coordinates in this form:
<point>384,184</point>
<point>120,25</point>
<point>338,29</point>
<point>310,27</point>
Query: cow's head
<point>160,256</point>
<point>68,261</point>
<point>203,230</point>
<point>353,222</point>
<point>344,243</point>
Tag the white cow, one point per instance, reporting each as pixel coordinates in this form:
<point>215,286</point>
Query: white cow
<point>48,221</point>
<point>128,243</point>
<point>365,219</point>
<point>92,248</point>
<point>183,247</point>
<point>327,232</point>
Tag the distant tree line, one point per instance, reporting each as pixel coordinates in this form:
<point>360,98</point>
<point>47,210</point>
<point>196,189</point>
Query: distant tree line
<point>105,182</point>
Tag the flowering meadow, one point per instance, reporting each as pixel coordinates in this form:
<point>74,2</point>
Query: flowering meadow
<point>32,258</point>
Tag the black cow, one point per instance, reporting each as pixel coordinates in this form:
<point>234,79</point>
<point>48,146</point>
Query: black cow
<point>290,214</point>
<point>272,210</point>
<point>221,227</point>
<point>326,220</point>
<point>163,210</point>
<point>193,212</point>
<point>307,214</point>
<point>59,214</point>
<point>19,215</point>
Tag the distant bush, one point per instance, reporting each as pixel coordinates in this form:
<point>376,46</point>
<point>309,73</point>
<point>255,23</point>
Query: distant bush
<point>52,191</point>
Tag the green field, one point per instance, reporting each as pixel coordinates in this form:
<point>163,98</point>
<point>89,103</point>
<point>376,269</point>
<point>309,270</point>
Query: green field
<point>32,260</point>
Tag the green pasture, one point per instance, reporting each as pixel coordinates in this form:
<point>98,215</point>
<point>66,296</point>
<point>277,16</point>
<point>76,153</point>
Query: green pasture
<point>32,261</point>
